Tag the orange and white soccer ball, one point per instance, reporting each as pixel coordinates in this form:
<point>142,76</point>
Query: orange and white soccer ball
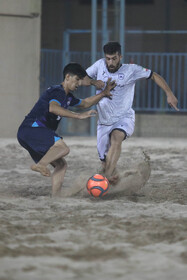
<point>97,185</point>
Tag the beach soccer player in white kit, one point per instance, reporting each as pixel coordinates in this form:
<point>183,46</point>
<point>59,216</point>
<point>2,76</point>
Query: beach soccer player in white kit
<point>116,118</point>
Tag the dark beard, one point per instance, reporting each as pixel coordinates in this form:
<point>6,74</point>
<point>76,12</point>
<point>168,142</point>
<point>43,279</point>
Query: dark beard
<point>115,69</point>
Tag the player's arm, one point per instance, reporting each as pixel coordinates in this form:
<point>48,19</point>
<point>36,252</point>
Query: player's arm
<point>87,81</point>
<point>92,100</point>
<point>56,109</point>
<point>171,99</point>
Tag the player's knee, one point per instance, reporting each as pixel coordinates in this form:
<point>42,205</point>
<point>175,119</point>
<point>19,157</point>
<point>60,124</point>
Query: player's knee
<point>117,142</point>
<point>66,150</point>
<point>117,137</point>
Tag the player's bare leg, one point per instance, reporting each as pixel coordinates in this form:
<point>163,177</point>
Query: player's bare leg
<point>113,155</point>
<point>60,166</point>
<point>101,169</point>
<point>58,150</point>
<point>113,178</point>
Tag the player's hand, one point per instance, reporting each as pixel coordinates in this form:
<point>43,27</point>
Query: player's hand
<point>110,85</point>
<point>87,114</point>
<point>98,84</point>
<point>172,101</point>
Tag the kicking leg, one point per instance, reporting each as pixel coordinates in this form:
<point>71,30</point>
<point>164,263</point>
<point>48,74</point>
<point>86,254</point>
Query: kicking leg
<point>58,150</point>
<point>60,166</point>
<point>113,155</point>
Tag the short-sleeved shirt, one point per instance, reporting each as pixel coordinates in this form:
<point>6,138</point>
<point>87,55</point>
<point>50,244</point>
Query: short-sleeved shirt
<point>120,106</point>
<point>40,116</point>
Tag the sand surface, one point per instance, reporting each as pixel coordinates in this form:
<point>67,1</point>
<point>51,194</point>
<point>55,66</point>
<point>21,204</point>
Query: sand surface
<point>138,231</point>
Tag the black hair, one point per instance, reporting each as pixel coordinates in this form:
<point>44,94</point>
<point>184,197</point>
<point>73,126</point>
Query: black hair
<point>74,69</point>
<point>112,47</point>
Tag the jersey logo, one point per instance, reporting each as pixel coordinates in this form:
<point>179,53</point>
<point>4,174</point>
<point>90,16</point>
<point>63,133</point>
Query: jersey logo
<point>69,101</point>
<point>120,76</point>
<point>58,118</point>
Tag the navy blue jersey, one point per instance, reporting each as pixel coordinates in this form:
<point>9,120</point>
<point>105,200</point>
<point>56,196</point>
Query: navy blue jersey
<point>40,116</point>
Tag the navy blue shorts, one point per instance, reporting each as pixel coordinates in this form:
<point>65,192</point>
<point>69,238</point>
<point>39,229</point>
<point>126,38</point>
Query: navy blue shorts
<point>36,140</point>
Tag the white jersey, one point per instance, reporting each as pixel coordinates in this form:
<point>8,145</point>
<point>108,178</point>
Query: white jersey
<point>120,106</point>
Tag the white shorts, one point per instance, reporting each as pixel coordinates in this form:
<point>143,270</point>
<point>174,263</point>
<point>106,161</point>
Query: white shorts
<point>104,131</point>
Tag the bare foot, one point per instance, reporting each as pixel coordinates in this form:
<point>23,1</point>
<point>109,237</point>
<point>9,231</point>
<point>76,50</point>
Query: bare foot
<point>42,169</point>
<point>114,179</point>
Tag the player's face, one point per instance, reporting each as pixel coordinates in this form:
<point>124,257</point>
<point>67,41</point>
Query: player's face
<point>73,82</point>
<point>113,62</point>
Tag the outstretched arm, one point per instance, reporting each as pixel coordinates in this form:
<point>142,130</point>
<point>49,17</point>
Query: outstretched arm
<point>56,109</point>
<point>89,101</point>
<point>171,99</point>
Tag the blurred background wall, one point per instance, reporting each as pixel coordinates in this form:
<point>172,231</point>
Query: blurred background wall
<point>20,61</point>
<point>155,37</point>
<point>34,47</point>
<point>59,15</point>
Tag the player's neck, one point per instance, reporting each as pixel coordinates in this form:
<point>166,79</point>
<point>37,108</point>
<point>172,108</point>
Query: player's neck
<point>119,66</point>
<point>65,86</point>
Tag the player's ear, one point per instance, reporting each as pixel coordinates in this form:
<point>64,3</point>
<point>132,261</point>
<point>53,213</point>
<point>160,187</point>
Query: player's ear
<point>67,77</point>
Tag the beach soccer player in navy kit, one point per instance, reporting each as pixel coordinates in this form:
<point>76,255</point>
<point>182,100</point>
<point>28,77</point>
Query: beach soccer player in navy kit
<point>37,132</point>
<point>116,116</point>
